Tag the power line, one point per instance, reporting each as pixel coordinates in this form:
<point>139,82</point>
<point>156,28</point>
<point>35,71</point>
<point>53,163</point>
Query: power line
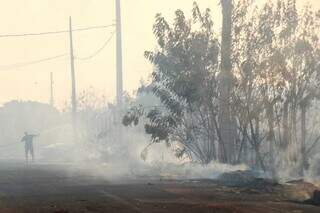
<point>23,64</point>
<point>94,27</point>
<point>55,32</point>
<point>98,50</point>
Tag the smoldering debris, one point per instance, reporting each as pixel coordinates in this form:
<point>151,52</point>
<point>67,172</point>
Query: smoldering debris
<point>247,179</point>
<point>315,199</point>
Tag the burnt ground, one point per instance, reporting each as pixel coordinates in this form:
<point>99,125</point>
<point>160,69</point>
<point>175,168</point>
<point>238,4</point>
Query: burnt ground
<point>59,189</point>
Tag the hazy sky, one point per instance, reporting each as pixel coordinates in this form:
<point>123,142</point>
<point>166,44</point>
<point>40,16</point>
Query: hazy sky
<point>32,82</point>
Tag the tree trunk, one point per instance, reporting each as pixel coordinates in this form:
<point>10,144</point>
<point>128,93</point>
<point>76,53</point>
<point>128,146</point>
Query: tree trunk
<point>270,137</point>
<point>226,119</point>
<point>303,139</point>
<point>285,126</point>
<point>293,134</point>
<point>256,140</point>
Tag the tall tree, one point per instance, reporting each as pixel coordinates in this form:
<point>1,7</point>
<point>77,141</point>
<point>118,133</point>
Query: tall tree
<point>185,81</point>
<point>226,119</point>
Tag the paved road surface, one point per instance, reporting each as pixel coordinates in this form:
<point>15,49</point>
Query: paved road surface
<point>62,189</point>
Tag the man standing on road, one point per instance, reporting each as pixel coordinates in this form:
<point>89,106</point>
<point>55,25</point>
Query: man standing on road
<point>28,139</point>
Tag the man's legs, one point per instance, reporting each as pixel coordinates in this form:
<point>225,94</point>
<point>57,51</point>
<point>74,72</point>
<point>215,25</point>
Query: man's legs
<point>26,148</point>
<point>31,152</point>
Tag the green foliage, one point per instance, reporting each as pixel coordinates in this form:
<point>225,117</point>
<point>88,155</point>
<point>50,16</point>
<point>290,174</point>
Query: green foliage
<point>184,79</point>
<point>275,65</point>
<point>132,116</point>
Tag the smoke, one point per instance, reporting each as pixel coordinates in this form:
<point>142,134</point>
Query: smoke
<point>116,160</point>
<point>112,159</point>
<point>100,150</point>
<point>313,173</point>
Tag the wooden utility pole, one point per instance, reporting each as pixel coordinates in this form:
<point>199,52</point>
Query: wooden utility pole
<point>119,54</point>
<point>73,83</point>
<point>119,76</point>
<point>51,90</point>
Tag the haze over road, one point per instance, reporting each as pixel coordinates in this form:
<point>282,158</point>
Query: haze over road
<point>62,188</point>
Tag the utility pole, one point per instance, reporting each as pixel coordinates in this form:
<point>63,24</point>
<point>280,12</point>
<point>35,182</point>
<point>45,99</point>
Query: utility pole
<point>119,55</point>
<point>51,90</point>
<point>119,78</point>
<point>73,84</point>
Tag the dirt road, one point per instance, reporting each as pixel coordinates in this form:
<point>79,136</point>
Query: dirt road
<point>59,188</point>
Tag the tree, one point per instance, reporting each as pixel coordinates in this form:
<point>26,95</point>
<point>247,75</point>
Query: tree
<point>274,53</point>
<point>226,118</point>
<point>185,81</point>
<point>254,105</point>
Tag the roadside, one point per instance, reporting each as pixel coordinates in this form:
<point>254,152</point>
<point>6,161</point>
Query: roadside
<point>61,189</point>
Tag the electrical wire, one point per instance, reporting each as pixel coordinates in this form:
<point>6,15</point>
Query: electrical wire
<point>55,32</point>
<point>98,50</point>
<point>94,27</point>
<point>23,64</point>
